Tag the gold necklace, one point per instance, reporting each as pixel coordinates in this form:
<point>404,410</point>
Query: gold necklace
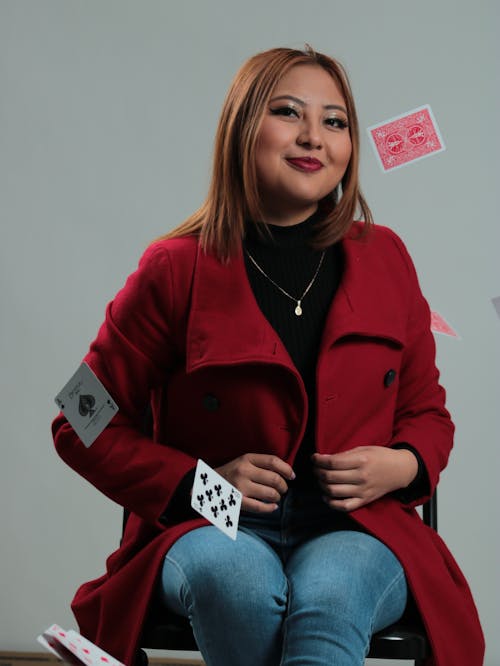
<point>298,307</point>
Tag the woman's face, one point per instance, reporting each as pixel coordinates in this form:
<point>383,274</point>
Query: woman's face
<point>303,146</point>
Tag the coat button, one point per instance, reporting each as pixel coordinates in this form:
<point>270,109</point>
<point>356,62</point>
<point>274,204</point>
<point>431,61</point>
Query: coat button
<point>210,402</point>
<point>390,376</point>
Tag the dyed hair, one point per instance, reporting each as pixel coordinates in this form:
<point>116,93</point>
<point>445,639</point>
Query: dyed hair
<point>233,195</point>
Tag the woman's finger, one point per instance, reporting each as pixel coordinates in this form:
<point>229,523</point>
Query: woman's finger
<point>272,463</point>
<point>337,491</point>
<point>344,476</point>
<point>254,506</point>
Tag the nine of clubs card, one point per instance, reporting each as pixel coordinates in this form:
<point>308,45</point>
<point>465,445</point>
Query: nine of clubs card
<point>216,499</point>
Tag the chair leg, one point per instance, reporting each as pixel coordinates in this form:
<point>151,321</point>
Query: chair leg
<point>141,658</point>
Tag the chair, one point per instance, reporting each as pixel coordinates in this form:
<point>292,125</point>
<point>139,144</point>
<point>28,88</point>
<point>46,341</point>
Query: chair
<point>405,639</point>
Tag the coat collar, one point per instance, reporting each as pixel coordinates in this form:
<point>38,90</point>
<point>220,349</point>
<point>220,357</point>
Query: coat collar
<point>226,325</point>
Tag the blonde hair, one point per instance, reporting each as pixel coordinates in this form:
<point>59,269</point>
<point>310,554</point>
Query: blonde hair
<point>233,192</point>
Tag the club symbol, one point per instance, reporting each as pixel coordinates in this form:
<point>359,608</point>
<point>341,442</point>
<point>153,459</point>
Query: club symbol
<point>229,522</point>
<point>231,500</point>
<point>223,505</point>
<point>215,511</point>
<point>200,499</point>
<point>209,494</point>
<point>218,489</point>
<point>204,478</point>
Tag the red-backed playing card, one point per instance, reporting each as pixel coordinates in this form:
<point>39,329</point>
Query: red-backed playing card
<point>440,325</point>
<point>406,138</point>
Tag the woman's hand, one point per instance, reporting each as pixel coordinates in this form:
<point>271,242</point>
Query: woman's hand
<point>351,479</point>
<point>261,478</point>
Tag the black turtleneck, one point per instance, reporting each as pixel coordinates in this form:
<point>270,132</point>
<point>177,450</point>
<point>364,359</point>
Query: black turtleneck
<point>286,256</point>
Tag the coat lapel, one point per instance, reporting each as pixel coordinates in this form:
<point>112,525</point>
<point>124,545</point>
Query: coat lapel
<point>368,301</point>
<point>226,325</point>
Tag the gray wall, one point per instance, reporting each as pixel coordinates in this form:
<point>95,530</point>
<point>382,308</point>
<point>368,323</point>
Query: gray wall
<point>107,113</point>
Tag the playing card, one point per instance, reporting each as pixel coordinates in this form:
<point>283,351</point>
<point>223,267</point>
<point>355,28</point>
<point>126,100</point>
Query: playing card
<point>73,648</point>
<point>440,325</point>
<point>89,653</point>
<point>406,138</point>
<point>56,640</point>
<point>86,404</point>
<point>496,304</point>
<point>216,499</point>
<point>50,645</point>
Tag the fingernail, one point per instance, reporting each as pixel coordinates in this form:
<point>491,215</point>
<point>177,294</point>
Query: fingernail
<point>294,476</point>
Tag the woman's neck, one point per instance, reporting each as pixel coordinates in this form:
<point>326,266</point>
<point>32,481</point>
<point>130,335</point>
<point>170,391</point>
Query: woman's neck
<point>273,235</point>
<point>283,218</point>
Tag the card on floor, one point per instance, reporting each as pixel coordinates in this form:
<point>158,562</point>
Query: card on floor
<point>216,499</point>
<point>406,138</point>
<point>86,404</point>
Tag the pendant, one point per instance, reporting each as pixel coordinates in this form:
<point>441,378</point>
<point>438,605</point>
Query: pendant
<point>298,309</point>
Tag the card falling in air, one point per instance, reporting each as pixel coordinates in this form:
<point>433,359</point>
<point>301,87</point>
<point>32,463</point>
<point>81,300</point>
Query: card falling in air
<point>216,499</point>
<point>86,404</point>
<point>496,304</point>
<point>72,648</point>
<point>440,325</point>
<point>406,138</point>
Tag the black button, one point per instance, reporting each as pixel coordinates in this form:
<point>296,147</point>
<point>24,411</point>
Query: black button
<point>390,376</point>
<point>210,402</point>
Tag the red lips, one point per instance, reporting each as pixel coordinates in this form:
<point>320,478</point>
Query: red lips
<point>305,163</point>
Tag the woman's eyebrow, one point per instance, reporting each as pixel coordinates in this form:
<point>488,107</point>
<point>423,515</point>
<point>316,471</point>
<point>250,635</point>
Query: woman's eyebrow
<point>301,102</point>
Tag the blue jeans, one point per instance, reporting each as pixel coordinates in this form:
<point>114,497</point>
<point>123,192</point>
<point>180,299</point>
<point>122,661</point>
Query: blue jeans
<point>298,587</point>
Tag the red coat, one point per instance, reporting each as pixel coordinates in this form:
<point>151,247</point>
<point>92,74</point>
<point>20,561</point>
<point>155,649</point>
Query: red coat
<point>186,326</point>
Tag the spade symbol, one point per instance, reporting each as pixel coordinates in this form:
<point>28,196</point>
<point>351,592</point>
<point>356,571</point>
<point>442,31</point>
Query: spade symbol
<point>85,405</point>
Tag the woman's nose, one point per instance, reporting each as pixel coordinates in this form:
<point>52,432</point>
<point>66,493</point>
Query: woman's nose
<point>310,135</point>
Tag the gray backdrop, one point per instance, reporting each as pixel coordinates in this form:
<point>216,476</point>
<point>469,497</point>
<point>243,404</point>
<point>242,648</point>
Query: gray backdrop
<point>107,113</point>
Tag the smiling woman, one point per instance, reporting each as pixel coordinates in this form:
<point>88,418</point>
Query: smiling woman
<point>288,346</point>
<point>303,145</point>
<point>235,194</point>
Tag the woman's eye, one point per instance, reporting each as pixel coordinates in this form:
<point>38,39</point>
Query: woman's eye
<point>337,123</point>
<point>286,111</point>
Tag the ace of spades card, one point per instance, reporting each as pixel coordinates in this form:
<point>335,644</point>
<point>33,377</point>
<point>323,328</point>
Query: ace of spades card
<point>86,404</point>
<point>216,499</point>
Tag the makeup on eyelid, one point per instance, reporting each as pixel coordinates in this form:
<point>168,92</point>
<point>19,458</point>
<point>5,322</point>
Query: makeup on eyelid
<point>291,112</point>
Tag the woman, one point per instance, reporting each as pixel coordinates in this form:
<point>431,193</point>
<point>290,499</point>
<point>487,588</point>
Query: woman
<point>290,348</point>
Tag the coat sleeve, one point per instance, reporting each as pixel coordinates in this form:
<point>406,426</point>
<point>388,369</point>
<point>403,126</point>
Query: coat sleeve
<point>421,418</point>
<point>132,355</point>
